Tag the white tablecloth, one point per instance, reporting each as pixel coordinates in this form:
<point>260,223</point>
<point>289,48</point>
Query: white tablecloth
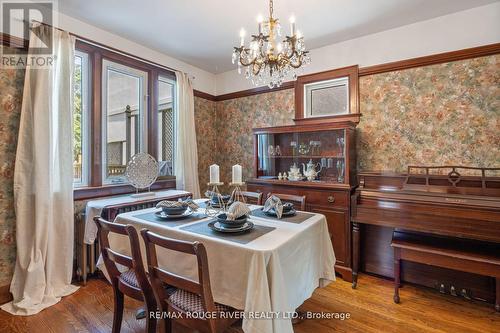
<point>95,207</point>
<point>276,272</point>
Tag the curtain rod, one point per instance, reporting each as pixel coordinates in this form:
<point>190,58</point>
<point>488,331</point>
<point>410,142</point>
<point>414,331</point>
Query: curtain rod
<point>94,43</point>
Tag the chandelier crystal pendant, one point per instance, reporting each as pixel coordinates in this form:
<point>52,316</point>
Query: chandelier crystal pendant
<point>268,61</point>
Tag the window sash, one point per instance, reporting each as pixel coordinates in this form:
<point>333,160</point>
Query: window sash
<point>108,66</point>
<point>85,119</point>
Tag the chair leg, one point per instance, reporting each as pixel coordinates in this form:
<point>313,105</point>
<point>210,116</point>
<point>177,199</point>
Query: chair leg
<point>150,324</point>
<point>166,325</point>
<point>150,319</point>
<point>397,275</point>
<point>118,313</point>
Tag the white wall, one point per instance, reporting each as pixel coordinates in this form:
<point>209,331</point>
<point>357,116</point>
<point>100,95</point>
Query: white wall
<point>469,28</point>
<point>204,81</point>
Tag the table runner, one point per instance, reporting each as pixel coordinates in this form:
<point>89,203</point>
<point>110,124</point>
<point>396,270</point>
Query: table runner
<point>299,217</point>
<point>94,208</point>
<point>151,217</point>
<point>202,228</point>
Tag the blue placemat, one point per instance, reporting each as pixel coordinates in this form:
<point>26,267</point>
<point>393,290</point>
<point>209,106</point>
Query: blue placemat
<point>202,228</point>
<point>299,217</point>
<point>151,217</point>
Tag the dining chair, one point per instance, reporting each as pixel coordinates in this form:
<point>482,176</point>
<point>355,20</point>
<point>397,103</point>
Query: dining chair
<point>300,199</point>
<point>253,197</point>
<point>132,282</point>
<point>189,297</point>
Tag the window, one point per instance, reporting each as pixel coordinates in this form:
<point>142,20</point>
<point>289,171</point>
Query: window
<point>114,119</point>
<point>166,126</point>
<point>124,117</point>
<point>81,120</point>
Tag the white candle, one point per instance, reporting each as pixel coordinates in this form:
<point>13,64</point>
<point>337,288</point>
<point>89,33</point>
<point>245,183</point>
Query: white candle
<point>237,173</point>
<point>214,173</point>
<point>292,25</point>
<point>242,37</point>
<point>260,19</point>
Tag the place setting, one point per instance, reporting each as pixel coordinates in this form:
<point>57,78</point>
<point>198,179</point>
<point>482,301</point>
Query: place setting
<point>174,213</point>
<point>275,209</point>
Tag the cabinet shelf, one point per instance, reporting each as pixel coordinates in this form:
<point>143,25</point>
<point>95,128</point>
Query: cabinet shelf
<point>307,156</point>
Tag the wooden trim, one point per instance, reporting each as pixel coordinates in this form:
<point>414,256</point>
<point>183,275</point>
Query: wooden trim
<point>254,91</point>
<point>325,126</point>
<point>109,190</point>
<point>351,72</point>
<point>5,295</point>
<point>474,52</point>
<point>95,178</point>
<point>204,95</point>
<point>480,51</point>
<point>13,41</point>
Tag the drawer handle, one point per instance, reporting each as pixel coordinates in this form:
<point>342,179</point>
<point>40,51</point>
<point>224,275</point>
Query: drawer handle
<point>331,199</point>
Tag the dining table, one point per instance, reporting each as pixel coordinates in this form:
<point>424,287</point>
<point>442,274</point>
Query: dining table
<point>267,272</point>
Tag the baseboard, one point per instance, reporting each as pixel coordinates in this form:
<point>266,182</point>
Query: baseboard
<point>5,295</point>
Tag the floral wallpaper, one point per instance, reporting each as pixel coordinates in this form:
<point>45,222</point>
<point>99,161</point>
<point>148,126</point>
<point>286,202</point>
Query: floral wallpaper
<point>446,114</point>
<point>11,90</point>
<point>441,114</point>
<point>234,123</point>
<point>206,137</point>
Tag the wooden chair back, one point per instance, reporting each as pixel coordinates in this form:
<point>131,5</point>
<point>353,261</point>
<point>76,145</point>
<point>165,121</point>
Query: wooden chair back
<point>112,257</point>
<point>299,199</point>
<point>253,197</point>
<point>160,277</point>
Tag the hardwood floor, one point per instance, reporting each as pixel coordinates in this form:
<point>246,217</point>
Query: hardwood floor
<point>370,306</point>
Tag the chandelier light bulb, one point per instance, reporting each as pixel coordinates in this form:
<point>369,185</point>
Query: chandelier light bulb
<point>260,18</point>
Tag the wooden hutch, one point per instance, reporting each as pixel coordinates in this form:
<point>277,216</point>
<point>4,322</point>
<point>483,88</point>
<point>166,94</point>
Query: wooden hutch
<point>330,147</point>
<point>326,114</point>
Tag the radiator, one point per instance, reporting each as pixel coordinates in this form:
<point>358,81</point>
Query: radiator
<point>88,254</point>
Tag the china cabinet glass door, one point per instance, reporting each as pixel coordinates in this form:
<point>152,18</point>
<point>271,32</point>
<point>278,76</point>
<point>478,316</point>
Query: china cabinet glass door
<point>303,156</point>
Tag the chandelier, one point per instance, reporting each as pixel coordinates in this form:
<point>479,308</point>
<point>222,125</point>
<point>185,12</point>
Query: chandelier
<point>266,59</point>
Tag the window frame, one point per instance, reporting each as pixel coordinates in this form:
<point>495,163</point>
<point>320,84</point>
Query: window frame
<point>167,80</point>
<point>143,113</point>
<point>85,119</point>
<point>97,53</point>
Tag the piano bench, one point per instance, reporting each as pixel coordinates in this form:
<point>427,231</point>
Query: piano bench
<point>449,253</point>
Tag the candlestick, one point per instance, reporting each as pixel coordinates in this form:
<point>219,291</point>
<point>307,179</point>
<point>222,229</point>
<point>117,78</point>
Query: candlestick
<point>292,25</point>
<point>214,174</point>
<point>237,173</point>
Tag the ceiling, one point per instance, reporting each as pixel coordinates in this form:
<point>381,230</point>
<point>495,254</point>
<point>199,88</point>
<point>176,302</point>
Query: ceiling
<point>203,32</point>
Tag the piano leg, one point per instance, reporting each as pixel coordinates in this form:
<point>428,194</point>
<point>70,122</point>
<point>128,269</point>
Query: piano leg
<point>497,299</point>
<point>355,254</point>
<point>397,274</point>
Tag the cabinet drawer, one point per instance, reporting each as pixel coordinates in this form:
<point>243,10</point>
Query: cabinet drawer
<point>323,198</point>
<point>331,199</point>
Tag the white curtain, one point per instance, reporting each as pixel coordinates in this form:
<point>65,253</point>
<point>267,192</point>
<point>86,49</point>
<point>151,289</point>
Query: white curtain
<point>43,182</point>
<point>186,152</point>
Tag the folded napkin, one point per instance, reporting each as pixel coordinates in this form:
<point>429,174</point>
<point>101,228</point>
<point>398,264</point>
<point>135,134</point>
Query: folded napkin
<point>274,203</point>
<point>236,210</point>
<point>173,204</point>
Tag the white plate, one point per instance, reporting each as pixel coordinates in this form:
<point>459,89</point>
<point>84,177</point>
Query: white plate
<point>165,216</point>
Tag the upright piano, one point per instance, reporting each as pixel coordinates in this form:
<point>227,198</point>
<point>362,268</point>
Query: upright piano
<point>450,201</point>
